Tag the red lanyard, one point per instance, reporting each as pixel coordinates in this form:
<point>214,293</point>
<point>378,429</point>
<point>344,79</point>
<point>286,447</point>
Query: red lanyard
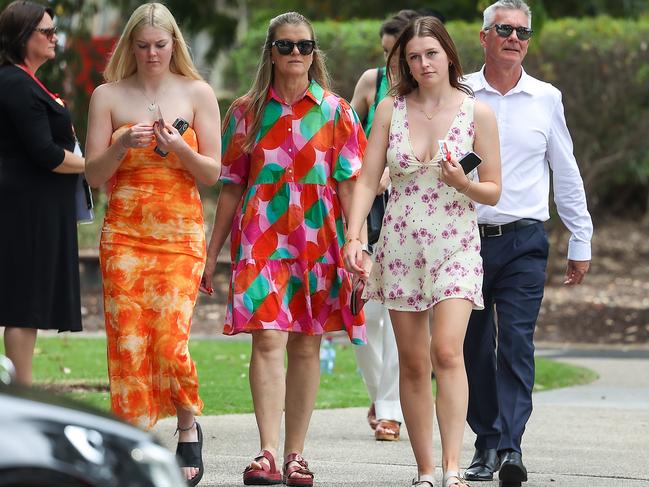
<point>54,96</point>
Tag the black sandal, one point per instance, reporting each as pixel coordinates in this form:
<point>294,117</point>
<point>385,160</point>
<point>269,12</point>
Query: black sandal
<point>190,454</point>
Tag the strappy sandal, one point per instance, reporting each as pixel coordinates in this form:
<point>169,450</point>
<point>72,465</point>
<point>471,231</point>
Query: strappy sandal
<point>423,481</point>
<point>371,417</point>
<point>190,453</point>
<point>452,478</point>
<point>302,467</point>
<point>266,475</point>
<point>387,430</point>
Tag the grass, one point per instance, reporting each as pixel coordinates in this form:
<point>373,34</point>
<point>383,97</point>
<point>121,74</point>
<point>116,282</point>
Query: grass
<point>77,366</point>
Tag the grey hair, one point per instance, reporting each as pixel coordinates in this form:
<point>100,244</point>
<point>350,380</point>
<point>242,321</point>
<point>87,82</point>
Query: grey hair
<point>489,13</point>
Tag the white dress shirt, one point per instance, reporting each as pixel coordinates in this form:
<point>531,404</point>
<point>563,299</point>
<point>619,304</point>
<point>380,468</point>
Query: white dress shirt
<point>534,138</point>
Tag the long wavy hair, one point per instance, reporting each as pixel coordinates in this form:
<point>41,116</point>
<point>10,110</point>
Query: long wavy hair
<point>18,21</point>
<point>122,61</point>
<point>254,100</point>
<point>404,82</point>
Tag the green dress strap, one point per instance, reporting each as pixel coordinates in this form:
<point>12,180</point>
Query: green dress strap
<point>381,90</point>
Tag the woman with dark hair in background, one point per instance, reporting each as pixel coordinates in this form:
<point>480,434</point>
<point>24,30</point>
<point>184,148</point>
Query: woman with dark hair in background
<point>291,151</point>
<point>39,258</point>
<point>428,253</point>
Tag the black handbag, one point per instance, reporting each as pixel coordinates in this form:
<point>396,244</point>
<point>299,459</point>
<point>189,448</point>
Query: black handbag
<point>375,217</point>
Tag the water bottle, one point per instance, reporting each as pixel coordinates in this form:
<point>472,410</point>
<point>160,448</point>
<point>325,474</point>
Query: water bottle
<point>327,356</point>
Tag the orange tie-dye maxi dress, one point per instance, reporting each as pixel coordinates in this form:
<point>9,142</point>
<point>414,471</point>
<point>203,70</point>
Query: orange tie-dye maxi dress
<point>152,253</point>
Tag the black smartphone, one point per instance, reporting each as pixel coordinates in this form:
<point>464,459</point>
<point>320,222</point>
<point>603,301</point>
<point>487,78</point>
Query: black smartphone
<point>470,161</point>
<point>181,125</point>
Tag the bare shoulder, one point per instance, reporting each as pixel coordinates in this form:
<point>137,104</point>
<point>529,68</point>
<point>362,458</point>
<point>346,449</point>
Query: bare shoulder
<point>368,78</point>
<point>385,106</point>
<point>108,93</point>
<point>482,113</point>
<point>196,86</point>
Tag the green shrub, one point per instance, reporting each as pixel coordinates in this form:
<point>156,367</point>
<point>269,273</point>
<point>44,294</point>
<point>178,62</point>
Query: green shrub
<point>600,64</point>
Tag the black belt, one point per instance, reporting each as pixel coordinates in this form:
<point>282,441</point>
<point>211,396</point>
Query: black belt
<point>487,230</point>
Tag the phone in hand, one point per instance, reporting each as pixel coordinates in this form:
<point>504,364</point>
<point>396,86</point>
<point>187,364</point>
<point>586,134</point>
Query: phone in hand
<point>181,125</point>
<point>470,161</point>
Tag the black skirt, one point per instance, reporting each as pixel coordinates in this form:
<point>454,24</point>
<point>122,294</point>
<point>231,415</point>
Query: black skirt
<point>39,257</point>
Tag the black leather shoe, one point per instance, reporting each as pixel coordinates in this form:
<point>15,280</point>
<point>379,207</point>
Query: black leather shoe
<point>483,465</point>
<point>512,471</point>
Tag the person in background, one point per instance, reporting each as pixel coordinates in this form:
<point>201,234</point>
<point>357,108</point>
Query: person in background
<point>291,151</point>
<point>428,253</point>
<point>534,139</point>
<point>39,258</point>
<point>152,246</point>
<point>378,360</point>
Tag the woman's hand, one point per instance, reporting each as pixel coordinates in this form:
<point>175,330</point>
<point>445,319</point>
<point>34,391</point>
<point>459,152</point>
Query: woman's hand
<point>206,279</point>
<point>353,257</point>
<point>452,174</point>
<point>139,135</point>
<point>168,138</point>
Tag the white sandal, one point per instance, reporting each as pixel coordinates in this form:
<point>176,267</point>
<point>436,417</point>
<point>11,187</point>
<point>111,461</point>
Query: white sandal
<point>422,480</point>
<point>452,478</point>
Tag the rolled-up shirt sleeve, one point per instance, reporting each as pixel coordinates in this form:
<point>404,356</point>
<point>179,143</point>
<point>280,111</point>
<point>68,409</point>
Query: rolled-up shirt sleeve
<point>28,115</point>
<point>569,194</point>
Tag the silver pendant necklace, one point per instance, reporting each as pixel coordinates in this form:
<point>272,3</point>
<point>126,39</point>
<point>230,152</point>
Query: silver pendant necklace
<point>153,105</point>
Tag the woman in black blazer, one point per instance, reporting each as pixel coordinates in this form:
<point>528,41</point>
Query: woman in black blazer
<point>39,267</point>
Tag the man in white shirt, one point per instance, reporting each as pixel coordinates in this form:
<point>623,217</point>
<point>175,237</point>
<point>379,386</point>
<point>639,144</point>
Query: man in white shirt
<point>534,139</point>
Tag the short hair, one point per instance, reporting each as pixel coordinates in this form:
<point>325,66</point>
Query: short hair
<point>395,24</point>
<point>489,13</point>
<point>122,61</point>
<point>424,27</point>
<point>17,23</point>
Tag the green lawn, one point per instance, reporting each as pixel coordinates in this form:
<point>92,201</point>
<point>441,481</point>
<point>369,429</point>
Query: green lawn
<point>79,366</point>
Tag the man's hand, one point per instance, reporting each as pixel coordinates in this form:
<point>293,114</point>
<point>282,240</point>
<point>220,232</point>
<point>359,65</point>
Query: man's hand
<point>576,271</point>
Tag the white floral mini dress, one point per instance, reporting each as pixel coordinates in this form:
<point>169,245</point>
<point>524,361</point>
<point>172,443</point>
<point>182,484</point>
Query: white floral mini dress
<point>429,246</point>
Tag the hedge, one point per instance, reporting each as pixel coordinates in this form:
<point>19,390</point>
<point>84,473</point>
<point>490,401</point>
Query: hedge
<point>600,64</point>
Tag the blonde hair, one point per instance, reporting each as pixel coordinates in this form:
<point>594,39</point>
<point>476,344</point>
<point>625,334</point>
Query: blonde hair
<point>255,99</point>
<point>122,61</point>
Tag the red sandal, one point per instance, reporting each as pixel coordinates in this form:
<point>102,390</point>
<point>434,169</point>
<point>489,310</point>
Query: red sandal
<point>266,475</point>
<point>387,430</point>
<point>302,467</point>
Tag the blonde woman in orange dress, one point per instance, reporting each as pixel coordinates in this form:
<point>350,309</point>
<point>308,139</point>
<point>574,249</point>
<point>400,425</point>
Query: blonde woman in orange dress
<point>152,246</point>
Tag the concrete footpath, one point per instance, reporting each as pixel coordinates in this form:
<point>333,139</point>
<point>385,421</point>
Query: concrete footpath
<point>595,435</point>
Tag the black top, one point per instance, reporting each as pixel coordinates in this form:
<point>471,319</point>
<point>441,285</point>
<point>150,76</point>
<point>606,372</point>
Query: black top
<point>39,269</point>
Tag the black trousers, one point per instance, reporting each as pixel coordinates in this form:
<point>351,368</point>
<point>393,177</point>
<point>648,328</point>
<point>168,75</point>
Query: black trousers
<point>499,344</point>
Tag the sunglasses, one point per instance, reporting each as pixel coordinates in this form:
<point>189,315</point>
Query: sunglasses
<point>285,47</point>
<point>505,30</point>
<point>49,32</point>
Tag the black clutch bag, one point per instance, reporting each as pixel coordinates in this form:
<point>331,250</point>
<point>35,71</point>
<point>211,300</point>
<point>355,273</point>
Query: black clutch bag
<point>375,217</point>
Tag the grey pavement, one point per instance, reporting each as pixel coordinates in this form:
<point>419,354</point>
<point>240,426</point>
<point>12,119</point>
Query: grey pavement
<point>594,435</point>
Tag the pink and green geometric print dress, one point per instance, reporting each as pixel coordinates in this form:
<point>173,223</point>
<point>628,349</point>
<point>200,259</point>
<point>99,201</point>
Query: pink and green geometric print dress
<point>429,246</point>
<point>288,231</point>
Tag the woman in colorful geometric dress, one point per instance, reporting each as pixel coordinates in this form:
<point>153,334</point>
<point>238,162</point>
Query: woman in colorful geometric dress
<point>291,149</point>
<point>428,252</point>
<point>152,246</point>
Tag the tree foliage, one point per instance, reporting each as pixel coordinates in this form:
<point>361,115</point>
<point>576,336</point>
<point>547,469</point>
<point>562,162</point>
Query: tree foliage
<point>601,65</point>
